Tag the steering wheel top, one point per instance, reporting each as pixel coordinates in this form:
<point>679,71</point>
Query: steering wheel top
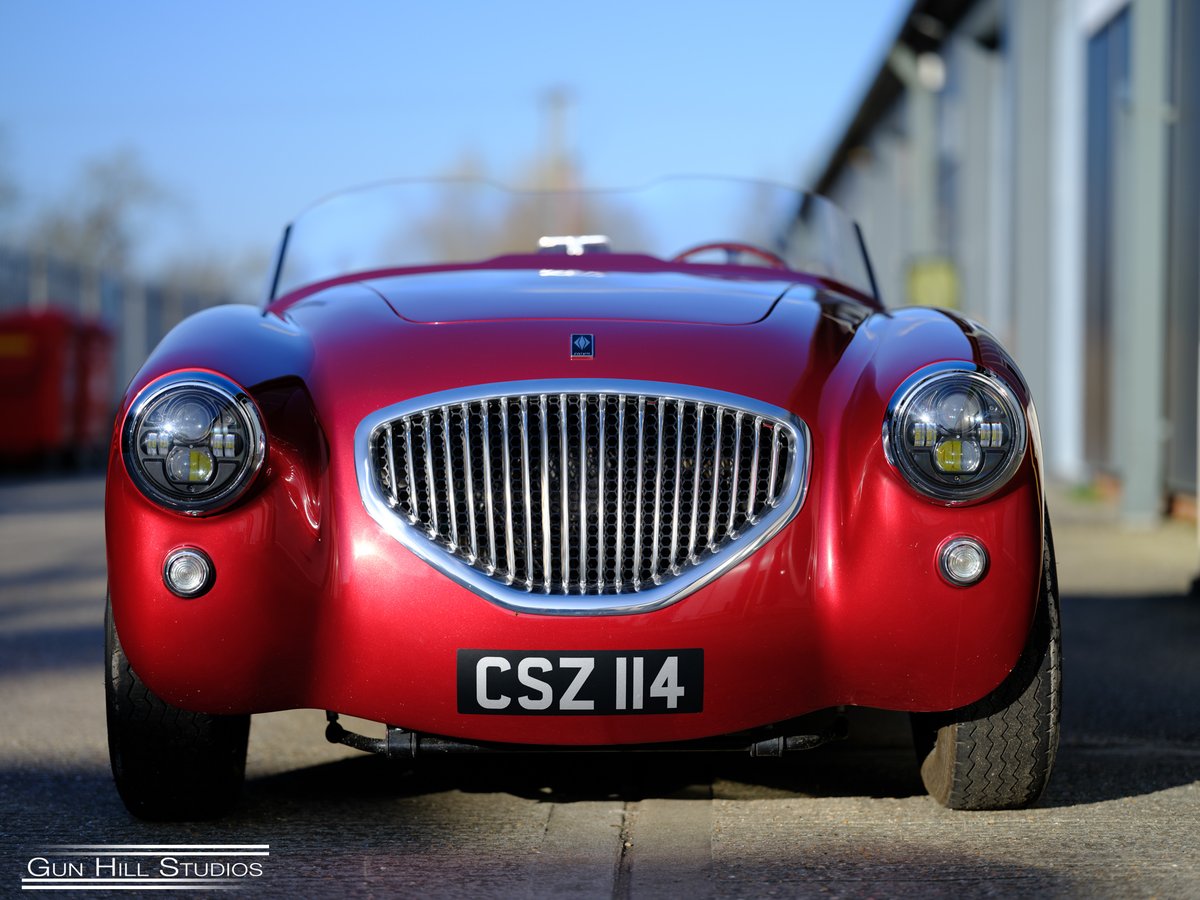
<point>733,249</point>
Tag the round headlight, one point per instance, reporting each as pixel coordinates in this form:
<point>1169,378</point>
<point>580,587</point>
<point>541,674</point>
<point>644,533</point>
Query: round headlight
<point>955,432</point>
<point>193,442</point>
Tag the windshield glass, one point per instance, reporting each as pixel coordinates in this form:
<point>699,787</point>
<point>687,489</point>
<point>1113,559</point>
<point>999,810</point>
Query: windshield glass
<point>702,221</point>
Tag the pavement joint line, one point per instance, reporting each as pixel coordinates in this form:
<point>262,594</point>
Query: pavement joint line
<point>622,876</point>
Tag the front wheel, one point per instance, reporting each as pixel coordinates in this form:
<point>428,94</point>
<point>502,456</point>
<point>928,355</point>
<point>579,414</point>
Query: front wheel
<point>168,764</point>
<point>997,753</point>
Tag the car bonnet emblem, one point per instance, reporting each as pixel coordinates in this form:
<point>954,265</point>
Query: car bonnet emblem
<point>583,346</point>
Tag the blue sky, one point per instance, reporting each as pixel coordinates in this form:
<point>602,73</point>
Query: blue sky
<point>245,111</point>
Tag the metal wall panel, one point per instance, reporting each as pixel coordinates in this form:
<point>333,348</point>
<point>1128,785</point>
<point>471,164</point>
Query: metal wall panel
<point>1183,272</point>
<point>1107,87</point>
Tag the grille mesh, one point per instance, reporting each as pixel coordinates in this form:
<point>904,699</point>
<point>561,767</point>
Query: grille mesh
<point>582,493</point>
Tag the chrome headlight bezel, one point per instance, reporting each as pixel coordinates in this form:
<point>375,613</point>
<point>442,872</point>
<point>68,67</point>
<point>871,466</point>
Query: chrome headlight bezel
<point>233,467</point>
<point>999,456</point>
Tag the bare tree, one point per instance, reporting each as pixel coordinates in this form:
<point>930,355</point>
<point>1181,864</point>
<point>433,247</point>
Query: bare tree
<point>470,221</point>
<point>95,228</point>
<point>239,278</point>
<point>461,227</point>
<point>8,188</point>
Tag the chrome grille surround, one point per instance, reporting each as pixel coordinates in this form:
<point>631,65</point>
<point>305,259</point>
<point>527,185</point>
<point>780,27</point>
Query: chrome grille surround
<point>505,536</point>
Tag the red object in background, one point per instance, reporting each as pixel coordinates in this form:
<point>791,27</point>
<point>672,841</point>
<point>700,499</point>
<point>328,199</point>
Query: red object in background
<point>94,368</point>
<point>55,384</point>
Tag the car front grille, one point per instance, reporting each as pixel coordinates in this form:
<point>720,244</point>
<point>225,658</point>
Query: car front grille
<point>618,494</point>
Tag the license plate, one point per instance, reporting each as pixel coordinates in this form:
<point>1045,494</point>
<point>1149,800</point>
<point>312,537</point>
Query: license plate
<point>580,683</point>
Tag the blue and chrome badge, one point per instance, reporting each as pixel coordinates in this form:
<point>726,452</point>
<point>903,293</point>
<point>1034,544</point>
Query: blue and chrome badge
<point>583,346</point>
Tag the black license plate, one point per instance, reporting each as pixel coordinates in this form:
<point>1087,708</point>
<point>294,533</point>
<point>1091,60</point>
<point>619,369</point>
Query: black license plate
<point>580,683</point>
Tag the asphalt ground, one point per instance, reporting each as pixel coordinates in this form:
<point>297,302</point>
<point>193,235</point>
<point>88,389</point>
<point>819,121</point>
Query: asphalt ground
<point>1121,817</point>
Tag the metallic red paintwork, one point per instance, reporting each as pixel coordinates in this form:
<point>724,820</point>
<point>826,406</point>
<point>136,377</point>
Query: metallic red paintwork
<point>642,296</point>
<point>315,606</point>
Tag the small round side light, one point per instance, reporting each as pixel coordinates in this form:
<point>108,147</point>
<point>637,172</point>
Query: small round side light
<point>963,561</point>
<point>188,573</point>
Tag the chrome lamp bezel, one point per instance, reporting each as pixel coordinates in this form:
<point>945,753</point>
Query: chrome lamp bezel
<point>899,456</point>
<point>226,393</point>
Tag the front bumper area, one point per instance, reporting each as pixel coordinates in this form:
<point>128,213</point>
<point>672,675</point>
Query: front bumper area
<point>315,606</point>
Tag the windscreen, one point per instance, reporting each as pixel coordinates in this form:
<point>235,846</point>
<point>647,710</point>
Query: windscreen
<point>696,220</point>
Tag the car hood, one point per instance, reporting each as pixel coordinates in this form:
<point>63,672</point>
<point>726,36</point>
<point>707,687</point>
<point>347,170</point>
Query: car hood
<point>377,342</point>
<point>808,350</point>
<point>496,295</point>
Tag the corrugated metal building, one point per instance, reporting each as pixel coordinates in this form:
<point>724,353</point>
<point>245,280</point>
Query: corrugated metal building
<point>1037,164</point>
<point>136,312</point>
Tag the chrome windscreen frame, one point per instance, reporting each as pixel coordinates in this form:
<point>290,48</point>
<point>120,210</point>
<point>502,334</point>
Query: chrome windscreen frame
<point>795,486</point>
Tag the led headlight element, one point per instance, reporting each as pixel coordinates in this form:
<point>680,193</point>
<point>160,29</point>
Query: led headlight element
<point>955,432</point>
<point>193,442</point>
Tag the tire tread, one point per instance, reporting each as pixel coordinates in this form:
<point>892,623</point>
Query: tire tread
<point>998,753</point>
<point>168,763</point>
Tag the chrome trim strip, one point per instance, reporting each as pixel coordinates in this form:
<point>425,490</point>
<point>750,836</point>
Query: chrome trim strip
<point>600,499</point>
<point>489,496</point>
<point>752,496</point>
<point>412,475</point>
<point>793,488</point>
<point>433,511</point>
<point>389,446</point>
<point>637,495</point>
<point>716,485</point>
<point>564,535</point>
<point>468,468</point>
<point>510,574</point>
<point>583,518</point>
<point>678,475</point>
<point>545,464</point>
<point>449,467</point>
<point>527,492</point>
<point>620,548</point>
<point>658,410</point>
<point>737,473</point>
<point>774,466</point>
<point>696,466</point>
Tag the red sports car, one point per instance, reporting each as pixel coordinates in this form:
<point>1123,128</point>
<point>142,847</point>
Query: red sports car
<point>581,470</point>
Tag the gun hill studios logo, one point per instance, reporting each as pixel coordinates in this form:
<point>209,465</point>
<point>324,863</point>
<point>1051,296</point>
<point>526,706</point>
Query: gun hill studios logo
<point>145,867</point>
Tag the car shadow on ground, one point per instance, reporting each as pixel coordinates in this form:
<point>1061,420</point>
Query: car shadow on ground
<point>578,777</point>
<point>1082,776</point>
<point>52,649</point>
<point>1130,728</point>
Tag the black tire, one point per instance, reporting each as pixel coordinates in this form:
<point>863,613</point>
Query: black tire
<point>998,752</point>
<point>168,764</point>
